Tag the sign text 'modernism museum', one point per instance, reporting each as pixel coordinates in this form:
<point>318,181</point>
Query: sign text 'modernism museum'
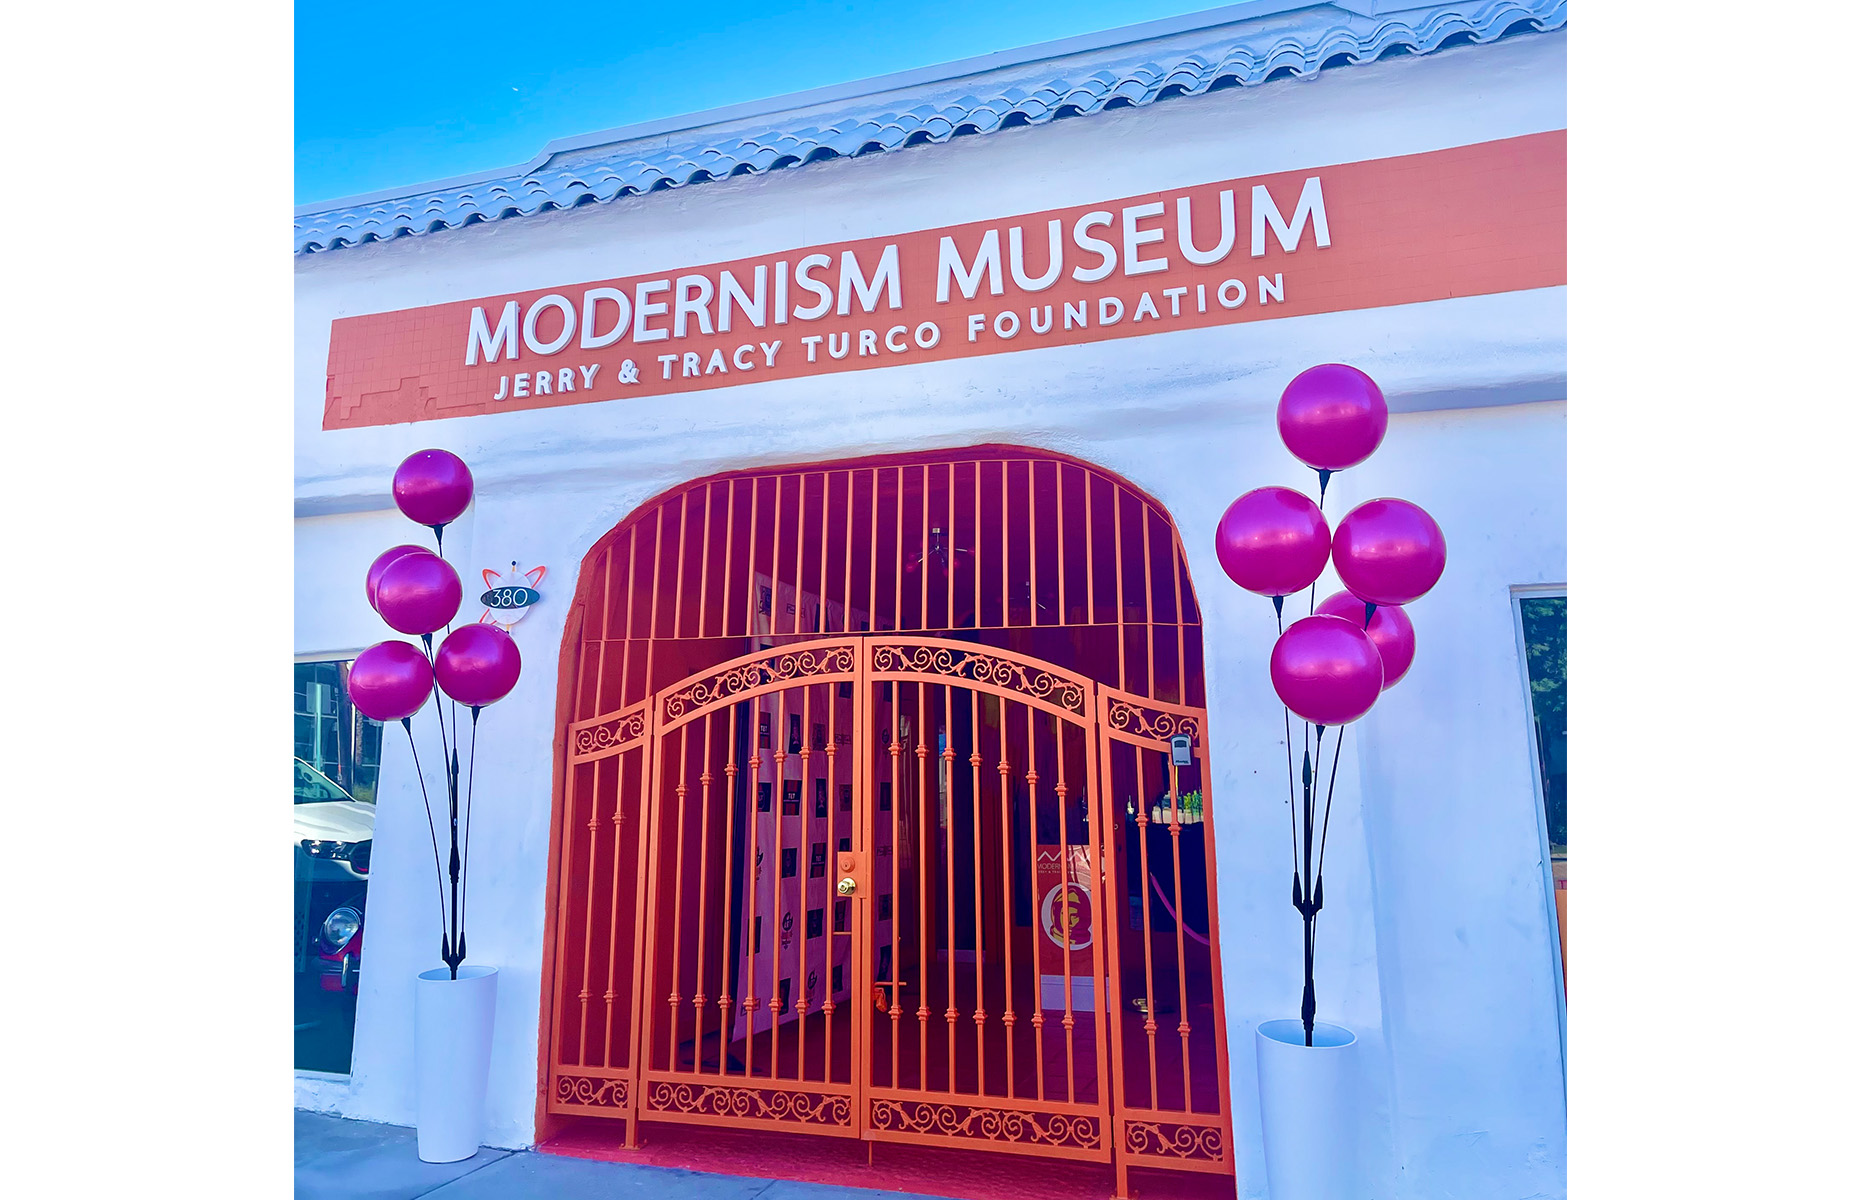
<point>1466,221</point>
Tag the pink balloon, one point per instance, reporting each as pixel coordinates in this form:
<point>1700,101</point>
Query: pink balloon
<point>1390,630</point>
<point>1273,541</point>
<point>1389,551</point>
<point>1326,670</point>
<point>1332,417</point>
<point>390,681</point>
<point>418,593</point>
<point>478,664</point>
<point>381,563</point>
<point>433,487</point>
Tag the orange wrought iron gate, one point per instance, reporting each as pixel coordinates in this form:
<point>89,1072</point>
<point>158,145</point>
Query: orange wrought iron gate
<point>908,883</point>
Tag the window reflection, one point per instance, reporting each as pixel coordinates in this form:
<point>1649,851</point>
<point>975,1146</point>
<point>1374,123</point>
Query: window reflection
<point>1546,637</point>
<point>336,760</point>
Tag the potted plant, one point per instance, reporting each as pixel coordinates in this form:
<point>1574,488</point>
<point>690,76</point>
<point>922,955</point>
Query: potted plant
<point>1328,669</point>
<point>416,591</point>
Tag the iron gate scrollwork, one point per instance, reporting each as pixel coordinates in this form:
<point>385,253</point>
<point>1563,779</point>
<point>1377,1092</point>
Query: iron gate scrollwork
<point>893,873</point>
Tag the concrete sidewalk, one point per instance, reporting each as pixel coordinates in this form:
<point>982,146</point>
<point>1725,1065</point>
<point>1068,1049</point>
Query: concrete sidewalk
<point>339,1159</point>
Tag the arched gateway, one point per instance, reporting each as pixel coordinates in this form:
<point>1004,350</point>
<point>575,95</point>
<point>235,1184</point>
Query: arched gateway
<point>881,812</point>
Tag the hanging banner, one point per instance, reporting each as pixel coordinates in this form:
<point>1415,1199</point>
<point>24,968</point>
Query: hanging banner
<point>1467,221</point>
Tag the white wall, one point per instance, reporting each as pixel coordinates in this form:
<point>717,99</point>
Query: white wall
<point>1433,943</point>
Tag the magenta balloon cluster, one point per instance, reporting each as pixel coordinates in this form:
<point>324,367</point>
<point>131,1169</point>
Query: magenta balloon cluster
<point>1330,667</point>
<point>416,591</point>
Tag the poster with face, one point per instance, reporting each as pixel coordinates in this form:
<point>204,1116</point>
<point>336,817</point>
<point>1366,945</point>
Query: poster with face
<point>1067,925</point>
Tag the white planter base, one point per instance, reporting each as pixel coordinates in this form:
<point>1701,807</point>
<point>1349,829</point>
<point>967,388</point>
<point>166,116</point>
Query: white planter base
<point>453,1019</point>
<point>1307,1106</point>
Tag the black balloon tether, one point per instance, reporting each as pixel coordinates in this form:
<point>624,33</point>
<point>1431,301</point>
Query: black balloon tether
<point>406,723</point>
<point>1369,610</point>
<point>1278,610</point>
<point>1323,482</point>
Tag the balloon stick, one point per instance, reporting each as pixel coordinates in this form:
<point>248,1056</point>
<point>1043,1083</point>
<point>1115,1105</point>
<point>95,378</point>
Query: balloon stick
<point>406,723</point>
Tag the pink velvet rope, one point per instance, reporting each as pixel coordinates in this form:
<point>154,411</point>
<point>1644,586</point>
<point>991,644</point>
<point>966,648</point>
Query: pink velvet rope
<point>1165,903</point>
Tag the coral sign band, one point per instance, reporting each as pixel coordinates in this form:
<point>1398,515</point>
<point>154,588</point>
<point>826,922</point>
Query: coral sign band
<point>1471,220</point>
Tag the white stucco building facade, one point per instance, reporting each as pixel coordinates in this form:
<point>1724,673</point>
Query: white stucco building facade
<point>1438,943</point>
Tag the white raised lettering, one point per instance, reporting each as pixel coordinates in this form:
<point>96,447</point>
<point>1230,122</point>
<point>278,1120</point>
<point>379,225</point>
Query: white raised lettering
<point>716,363</point>
<point>558,303</point>
<point>730,293</point>
<point>591,340</point>
<point>519,385</point>
<point>1274,286</point>
<point>544,380</point>
<point>666,361</point>
<point>1239,291</point>
<point>1075,316</point>
<point>1310,207</point>
<point>841,348</point>
<point>565,380</point>
<point>804,280</point>
<point>588,373</point>
<point>936,335</point>
<point>642,309</point>
<point>692,300</point>
<point>1055,260</point>
<point>969,278</point>
<point>1185,231</point>
<point>1033,319</point>
<point>1106,252</point>
<point>693,365</point>
<point>1135,238</point>
<point>1145,307</point>
<point>1110,310</point>
<point>737,358</point>
<point>812,342</point>
<point>894,338</point>
<point>1175,295</point>
<point>481,339</point>
<point>769,349</point>
<point>853,280</point>
<point>1007,324</point>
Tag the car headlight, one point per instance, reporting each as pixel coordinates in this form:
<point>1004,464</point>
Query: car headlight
<point>341,925</point>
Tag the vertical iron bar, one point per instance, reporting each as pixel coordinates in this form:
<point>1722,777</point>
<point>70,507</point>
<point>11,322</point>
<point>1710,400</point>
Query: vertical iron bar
<point>975,819</point>
<point>806,842</point>
<point>1123,607</point>
<point>752,851</point>
<point>726,1014</point>
<point>897,899</point>
<point>1181,944</point>
<point>1065,892</point>
<point>923,897</point>
<point>946,803</point>
<point>673,999</point>
<point>1007,883</point>
<point>702,927</point>
<point>1149,607</point>
<point>1149,948</point>
<point>1033,897</point>
<point>777,814</point>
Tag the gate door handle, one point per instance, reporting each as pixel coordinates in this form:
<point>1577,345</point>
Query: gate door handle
<point>848,886</point>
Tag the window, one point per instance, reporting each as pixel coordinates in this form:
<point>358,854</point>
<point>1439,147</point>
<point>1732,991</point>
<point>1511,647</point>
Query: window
<point>1545,624</point>
<point>336,760</point>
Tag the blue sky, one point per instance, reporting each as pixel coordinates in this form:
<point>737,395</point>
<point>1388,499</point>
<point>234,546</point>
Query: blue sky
<point>398,96</point>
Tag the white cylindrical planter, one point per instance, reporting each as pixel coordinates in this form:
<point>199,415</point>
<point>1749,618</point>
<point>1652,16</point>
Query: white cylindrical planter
<point>453,1019</point>
<point>1307,1106</point>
